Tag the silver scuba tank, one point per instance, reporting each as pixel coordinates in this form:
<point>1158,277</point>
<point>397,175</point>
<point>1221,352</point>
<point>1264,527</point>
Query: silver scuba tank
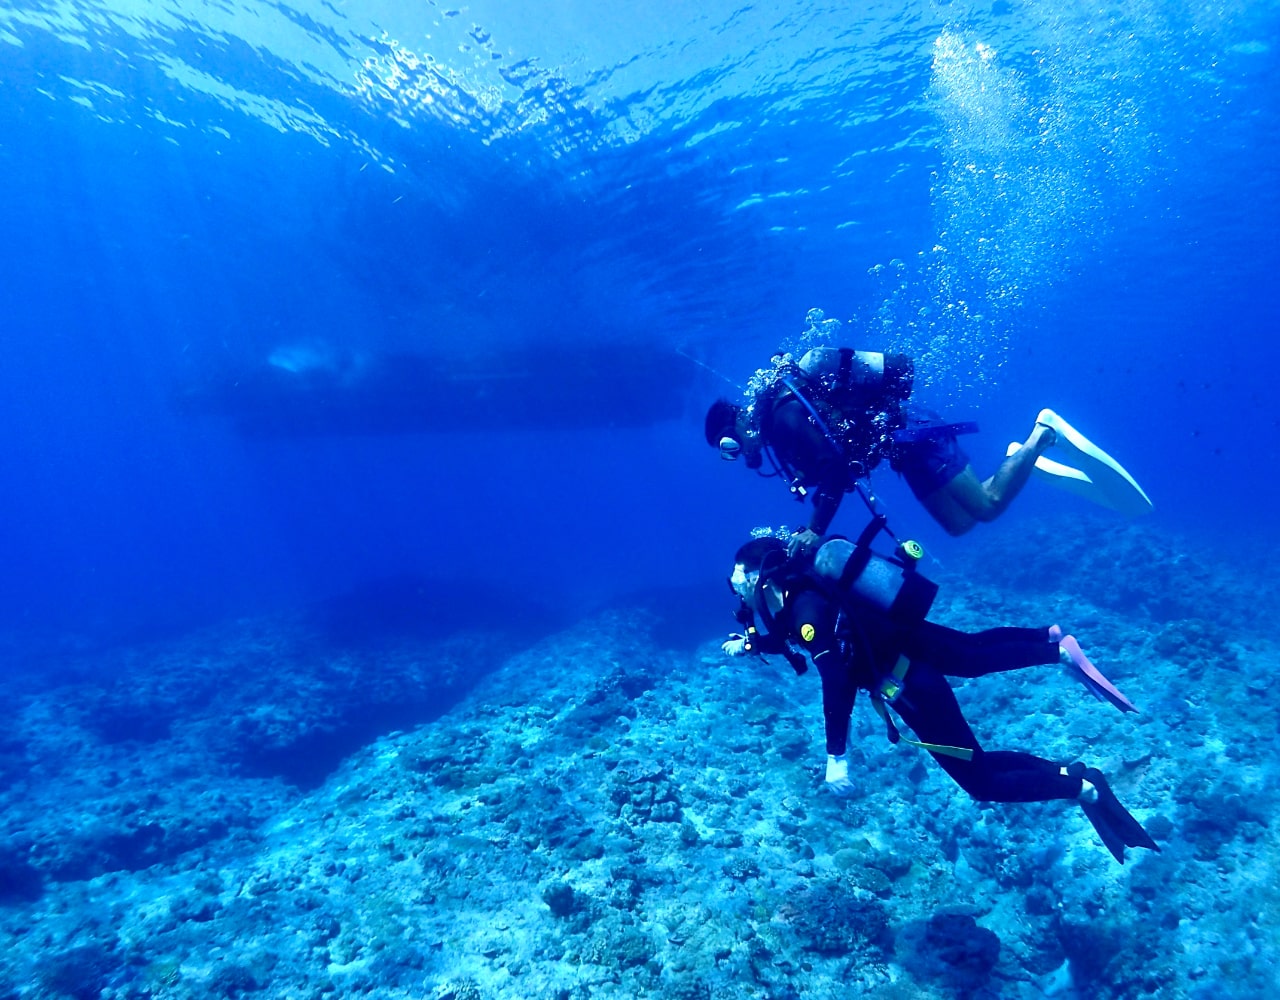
<point>894,586</point>
<point>889,376</point>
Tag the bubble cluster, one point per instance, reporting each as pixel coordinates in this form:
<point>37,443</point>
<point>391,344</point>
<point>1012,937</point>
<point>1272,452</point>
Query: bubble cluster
<point>1040,148</point>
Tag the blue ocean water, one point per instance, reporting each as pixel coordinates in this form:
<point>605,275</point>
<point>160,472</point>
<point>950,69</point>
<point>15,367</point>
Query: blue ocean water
<point>355,359</point>
<point>1048,203</point>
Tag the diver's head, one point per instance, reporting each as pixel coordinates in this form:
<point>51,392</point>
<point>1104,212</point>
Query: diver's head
<point>728,428</point>
<point>759,557</point>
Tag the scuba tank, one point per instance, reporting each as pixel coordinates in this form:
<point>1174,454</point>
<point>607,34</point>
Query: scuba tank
<point>892,585</point>
<point>859,378</point>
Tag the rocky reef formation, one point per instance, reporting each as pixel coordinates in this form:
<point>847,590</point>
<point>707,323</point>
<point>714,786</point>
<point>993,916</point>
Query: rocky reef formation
<point>252,811</point>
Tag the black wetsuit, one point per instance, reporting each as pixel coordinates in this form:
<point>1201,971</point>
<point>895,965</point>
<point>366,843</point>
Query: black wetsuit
<point>809,457</point>
<point>859,649</point>
<point>828,465</point>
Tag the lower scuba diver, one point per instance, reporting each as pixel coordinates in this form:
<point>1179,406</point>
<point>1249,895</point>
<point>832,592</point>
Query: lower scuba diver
<point>825,422</point>
<point>860,617</point>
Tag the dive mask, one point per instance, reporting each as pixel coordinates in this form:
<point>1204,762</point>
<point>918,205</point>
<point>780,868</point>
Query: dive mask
<point>743,583</point>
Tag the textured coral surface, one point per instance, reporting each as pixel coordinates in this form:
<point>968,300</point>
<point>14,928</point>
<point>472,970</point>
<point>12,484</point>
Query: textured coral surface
<point>253,811</point>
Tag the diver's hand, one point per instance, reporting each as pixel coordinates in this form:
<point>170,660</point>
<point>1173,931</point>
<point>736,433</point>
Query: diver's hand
<point>803,543</point>
<point>838,775</point>
<point>735,645</point>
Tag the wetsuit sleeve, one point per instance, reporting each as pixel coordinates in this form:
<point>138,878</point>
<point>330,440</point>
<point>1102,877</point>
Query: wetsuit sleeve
<point>825,504</point>
<point>815,626</point>
<point>766,642</point>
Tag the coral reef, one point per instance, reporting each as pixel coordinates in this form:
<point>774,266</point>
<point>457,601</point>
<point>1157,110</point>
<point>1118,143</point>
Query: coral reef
<point>251,811</point>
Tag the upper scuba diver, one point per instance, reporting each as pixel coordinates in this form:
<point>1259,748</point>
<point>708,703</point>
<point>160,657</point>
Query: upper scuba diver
<point>827,421</point>
<point>861,618</point>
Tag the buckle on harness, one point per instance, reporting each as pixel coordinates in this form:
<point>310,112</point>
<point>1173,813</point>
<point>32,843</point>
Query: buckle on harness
<point>893,683</point>
<point>889,690</point>
<point>886,692</point>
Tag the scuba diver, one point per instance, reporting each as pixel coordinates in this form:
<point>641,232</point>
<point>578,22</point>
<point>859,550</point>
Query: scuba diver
<point>861,618</point>
<point>827,421</point>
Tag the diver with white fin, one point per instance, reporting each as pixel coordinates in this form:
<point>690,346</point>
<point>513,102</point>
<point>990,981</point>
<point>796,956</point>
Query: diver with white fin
<point>825,422</point>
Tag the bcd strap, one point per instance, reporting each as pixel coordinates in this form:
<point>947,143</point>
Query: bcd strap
<point>815,416</point>
<point>887,691</point>
<point>877,524</point>
<point>857,562</point>
<point>846,366</point>
<point>861,555</point>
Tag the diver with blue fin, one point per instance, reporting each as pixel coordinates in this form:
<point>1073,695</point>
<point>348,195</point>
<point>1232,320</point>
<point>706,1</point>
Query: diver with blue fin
<point>861,618</point>
<point>825,422</point>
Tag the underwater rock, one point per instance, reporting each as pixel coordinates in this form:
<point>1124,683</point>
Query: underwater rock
<point>19,881</point>
<point>871,880</point>
<point>686,989</point>
<point>610,697</point>
<point>1197,646</point>
<point>618,945</point>
<point>740,869</point>
<point>232,979</point>
<point>830,917</point>
<point>644,792</point>
<point>951,949</point>
<point>121,718</point>
<point>86,970</point>
<point>563,899</point>
<point>1091,947</point>
<point>1216,815</point>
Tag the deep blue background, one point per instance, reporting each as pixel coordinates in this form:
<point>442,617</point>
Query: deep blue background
<point>179,195</point>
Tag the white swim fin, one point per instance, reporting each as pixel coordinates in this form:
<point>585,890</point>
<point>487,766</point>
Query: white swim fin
<point>1093,474</point>
<point>1121,490</point>
<point>1065,478</point>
